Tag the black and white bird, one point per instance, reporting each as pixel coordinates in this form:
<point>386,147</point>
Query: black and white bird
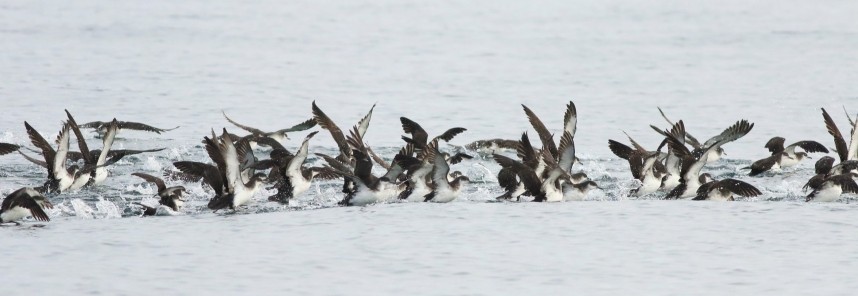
<point>570,126</point>
<point>783,157</point>
<point>692,163</point>
<point>101,127</point>
<point>339,137</point>
<point>776,146</point>
<point>279,135</point>
<point>99,174</point>
<point>418,178</point>
<point>337,134</point>
<point>365,188</point>
<point>846,151</point>
<point>555,185</point>
<point>60,177</point>
<point>642,165</point>
<point>713,155</point>
<point>444,190</point>
<point>508,178</point>
<point>833,187</point>
<point>225,177</point>
<point>672,161</point>
<point>169,197</point>
<point>295,179</point>
<point>492,146</point>
<point>723,190</point>
<point>113,155</point>
<point>822,170</point>
<point>420,138</point>
<point>22,203</point>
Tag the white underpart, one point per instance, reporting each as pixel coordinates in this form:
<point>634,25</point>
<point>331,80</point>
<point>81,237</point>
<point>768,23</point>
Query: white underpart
<point>365,196</point>
<point>650,184</point>
<point>107,142</point>
<point>14,214</point>
<point>787,161</point>
<point>713,156</point>
<point>163,210</point>
<point>446,194</point>
<point>279,137</point>
<point>80,182</point>
<point>670,182</point>
<point>299,184</point>
<point>716,195</point>
<point>552,193</point>
<point>571,193</point>
<point>243,196</point>
<point>518,190</point>
<point>691,187</point>
<point>293,170</point>
<point>418,193</point>
<point>59,164</point>
<point>179,203</point>
<point>418,183</point>
<point>390,192</point>
<point>828,193</point>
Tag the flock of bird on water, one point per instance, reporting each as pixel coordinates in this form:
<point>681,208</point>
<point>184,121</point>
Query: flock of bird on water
<point>419,172</point>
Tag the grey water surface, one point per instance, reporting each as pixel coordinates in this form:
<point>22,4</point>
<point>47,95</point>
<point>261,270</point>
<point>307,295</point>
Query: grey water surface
<point>442,64</point>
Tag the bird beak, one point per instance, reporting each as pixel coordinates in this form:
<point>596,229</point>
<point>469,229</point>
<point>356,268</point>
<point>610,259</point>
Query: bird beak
<point>808,157</point>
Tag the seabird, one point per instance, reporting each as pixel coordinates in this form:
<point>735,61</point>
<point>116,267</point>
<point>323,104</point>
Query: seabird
<point>714,155</point>
<point>101,127</point>
<point>845,167</point>
<point>570,123</point>
<point>6,148</point>
<point>23,203</point>
<point>822,169</point>
<point>60,178</point>
<point>832,187</point>
<point>492,146</point>
<point>444,190</point>
<point>672,162</point>
<point>325,122</point>
<point>418,186</point>
<point>278,135</point>
<point>692,163</point>
<point>579,191</point>
<point>225,178</point>
<point>367,188</point>
<point>170,197</point>
<point>723,190</point>
<point>529,179</point>
<point>845,152</point>
<point>345,155</point>
<point>100,173</point>
<point>295,178</point>
<point>508,178</point>
<point>642,164</point>
<point>556,184</point>
<point>784,157</point>
<point>776,146</point>
<point>363,193</point>
<point>113,154</point>
<point>420,139</point>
